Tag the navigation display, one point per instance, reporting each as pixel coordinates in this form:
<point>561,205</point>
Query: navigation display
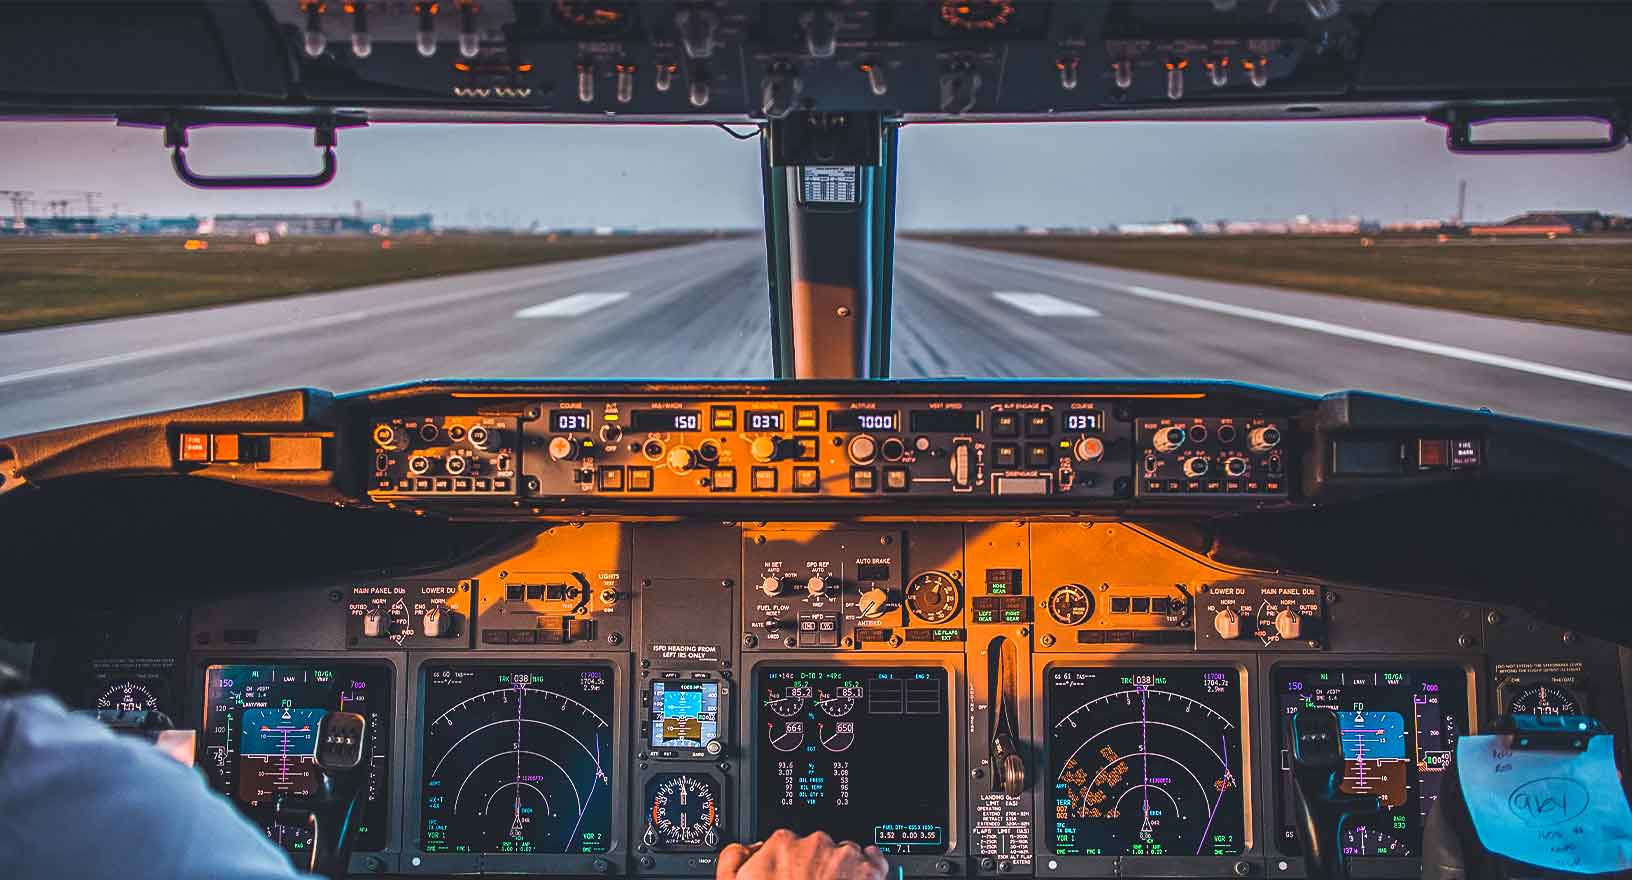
<point>1145,762</point>
<point>685,714</point>
<point>260,739</point>
<point>517,759</point>
<point>858,752</point>
<point>1399,730</point>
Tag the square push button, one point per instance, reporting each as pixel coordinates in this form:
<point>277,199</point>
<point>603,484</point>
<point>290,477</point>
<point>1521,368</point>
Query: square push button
<point>1005,424</point>
<point>896,479</point>
<point>807,479</point>
<point>763,479</point>
<point>640,479</point>
<point>723,418</point>
<point>806,418</point>
<point>1039,425</point>
<point>1119,604</point>
<point>723,480</point>
<point>609,478</point>
<point>1037,455</point>
<point>194,447</point>
<point>1005,455</point>
<point>863,480</point>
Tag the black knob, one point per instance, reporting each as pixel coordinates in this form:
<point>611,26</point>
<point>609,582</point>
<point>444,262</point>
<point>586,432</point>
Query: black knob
<point>1013,772</point>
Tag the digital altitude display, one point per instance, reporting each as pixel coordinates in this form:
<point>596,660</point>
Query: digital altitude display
<point>260,740</point>
<point>945,421</point>
<point>684,714</point>
<point>1399,730</point>
<point>1145,762</point>
<point>567,421</point>
<point>863,420</point>
<point>858,752</point>
<point>664,421</point>
<point>517,759</point>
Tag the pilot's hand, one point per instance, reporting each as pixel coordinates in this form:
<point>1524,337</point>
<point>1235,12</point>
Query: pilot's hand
<point>787,856</point>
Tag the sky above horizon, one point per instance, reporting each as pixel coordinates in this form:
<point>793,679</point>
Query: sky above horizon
<point>1040,174</point>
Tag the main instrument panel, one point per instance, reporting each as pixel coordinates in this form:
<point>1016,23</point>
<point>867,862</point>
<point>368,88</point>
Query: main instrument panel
<point>1000,698</point>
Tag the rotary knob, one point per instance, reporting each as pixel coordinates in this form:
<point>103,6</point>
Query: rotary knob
<point>1168,439</point>
<point>862,449</point>
<point>682,459</point>
<point>1289,624</point>
<point>563,449</point>
<point>1227,623</point>
<point>765,449</point>
<point>1195,466</point>
<point>391,438</point>
<point>1264,439</point>
<point>821,586</point>
<point>437,623</point>
<point>376,625</point>
<point>1088,449</point>
<point>772,585</point>
<point>871,604</point>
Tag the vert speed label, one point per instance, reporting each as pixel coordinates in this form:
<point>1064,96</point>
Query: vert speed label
<point>1145,762</point>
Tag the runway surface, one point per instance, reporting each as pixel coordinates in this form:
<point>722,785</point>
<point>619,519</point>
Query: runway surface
<point>703,311</point>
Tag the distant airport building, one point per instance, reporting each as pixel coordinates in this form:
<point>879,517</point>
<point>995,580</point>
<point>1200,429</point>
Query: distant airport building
<point>285,225</point>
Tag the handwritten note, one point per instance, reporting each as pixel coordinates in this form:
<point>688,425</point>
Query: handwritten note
<point>1558,810</point>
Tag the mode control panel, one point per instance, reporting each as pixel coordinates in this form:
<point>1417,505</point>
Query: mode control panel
<point>459,455</point>
<point>1212,456</point>
<point>855,449</point>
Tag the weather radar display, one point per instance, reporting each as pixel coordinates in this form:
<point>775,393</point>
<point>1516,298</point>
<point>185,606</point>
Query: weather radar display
<point>1145,762</point>
<point>517,759</point>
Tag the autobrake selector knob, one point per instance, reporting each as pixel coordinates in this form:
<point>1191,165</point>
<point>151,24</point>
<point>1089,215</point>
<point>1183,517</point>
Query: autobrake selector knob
<point>1227,623</point>
<point>873,602</point>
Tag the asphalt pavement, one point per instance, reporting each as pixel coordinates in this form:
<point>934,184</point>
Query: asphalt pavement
<point>702,311</point>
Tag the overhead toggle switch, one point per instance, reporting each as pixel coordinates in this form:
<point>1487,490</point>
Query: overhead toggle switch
<point>697,28</point>
<point>425,35</point>
<point>1068,67</point>
<point>665,76</point>
<point>960,87</point>
<point>470,42</point>
<point>1218,70</point>
<point>1123,73</point>
<point>1175,77</point>
<point>821,32</point>
<point>778,90</point>
<point>362,41</point>
<point>586,81</point>
<point>1324,9</point>
<point>875,78</point>
<point>626,83</point>
<point>313,40</point>
<point>697,88</point>
<point>1257,71</point>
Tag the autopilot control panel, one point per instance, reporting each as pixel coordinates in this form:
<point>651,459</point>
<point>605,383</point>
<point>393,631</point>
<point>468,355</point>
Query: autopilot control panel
<point>1030,697</point>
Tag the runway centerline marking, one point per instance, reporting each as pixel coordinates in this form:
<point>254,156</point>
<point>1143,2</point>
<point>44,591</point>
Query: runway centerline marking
<point>574,305</point>
<point>1329,328</point>
<point>1043,305</point>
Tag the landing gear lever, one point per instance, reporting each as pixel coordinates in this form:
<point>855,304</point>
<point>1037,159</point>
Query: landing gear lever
<point>1320,806</point>
<point>1008,764</point>
<point>342,761</point>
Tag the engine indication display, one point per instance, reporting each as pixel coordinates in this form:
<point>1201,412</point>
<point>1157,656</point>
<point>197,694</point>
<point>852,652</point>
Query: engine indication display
<point>858,752</point>
<point>682,812</point>
<point>1145,762</point>
<point>1399,730</point>
<point>260,739</point>
<point>517,759</point>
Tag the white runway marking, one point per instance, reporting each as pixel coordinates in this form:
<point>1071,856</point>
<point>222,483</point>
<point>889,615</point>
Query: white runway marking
<point>1386,339</point>
<point>574,305</point>
<point>1043,305</point>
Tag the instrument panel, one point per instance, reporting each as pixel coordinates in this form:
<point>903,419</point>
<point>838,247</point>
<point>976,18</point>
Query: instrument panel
<point>980,698</point>
<point>724,449</point>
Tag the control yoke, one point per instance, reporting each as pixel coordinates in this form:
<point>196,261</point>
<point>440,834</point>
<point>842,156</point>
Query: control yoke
<point>342,759</point>
<point>1321,807</point>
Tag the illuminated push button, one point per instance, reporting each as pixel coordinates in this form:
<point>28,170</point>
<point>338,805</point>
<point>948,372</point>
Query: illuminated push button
<point>1289,624</point>
<point>1088,449</point>
<point>714,748</point>
<point>807,479</point>
<point>1227,623</point>
<point>763,479</point>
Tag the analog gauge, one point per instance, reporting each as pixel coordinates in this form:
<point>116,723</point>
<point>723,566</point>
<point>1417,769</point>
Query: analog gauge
<point>588,18</point>
<point>682,812</point>
<point>1542,699</point>
<point>934,597</point>
<point>1363,840</point>
<point>1071,605</point>
<point>836,736</point>
<point>128,696</point>
<point>789,700</point>
<point>839,699</point>
<point>977,15</point>
<point>787,735</point>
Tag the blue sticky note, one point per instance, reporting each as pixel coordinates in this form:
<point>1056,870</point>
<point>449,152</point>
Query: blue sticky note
<point>1559,810</point>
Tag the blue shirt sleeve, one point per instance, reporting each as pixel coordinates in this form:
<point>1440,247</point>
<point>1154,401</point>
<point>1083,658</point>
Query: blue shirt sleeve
<point>77,800</point>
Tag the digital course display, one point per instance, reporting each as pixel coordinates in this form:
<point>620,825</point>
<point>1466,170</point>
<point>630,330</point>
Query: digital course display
<point>1145,762</point>
<point>1399,730</point>
<point>260,739</point>
<point>858,752</point>
<point>517,759</point>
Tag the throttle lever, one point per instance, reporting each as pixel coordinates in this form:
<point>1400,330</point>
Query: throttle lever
<point>1321,807</point>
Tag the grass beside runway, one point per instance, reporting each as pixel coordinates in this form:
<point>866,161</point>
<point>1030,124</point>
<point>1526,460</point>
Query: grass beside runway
<point>45,281</point>
<point>1580,282</point>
